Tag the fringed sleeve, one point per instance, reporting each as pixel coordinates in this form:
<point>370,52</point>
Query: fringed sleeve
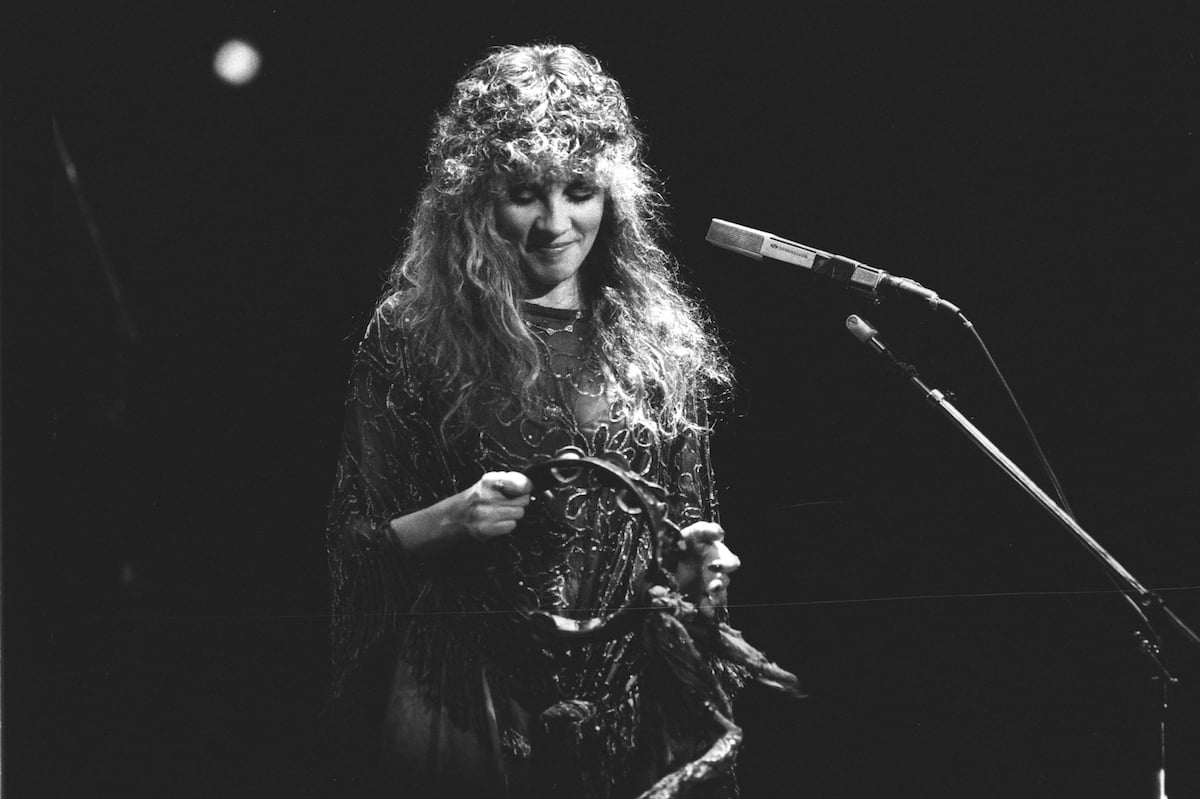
<point>389,465</point>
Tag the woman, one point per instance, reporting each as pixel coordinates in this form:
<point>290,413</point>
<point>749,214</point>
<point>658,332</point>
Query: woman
<point>532,314</point>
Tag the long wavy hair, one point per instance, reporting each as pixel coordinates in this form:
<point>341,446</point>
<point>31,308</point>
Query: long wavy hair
<point>544,113</point>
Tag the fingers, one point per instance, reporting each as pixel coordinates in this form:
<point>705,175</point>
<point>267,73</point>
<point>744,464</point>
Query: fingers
<point>704,571</point>
<point>702,533</point>
<point>720,558</point>
<point>488,520</point>
<point>485,514</point>
<point>495,504</point>
<point>715,598</point>
<point>511,485</point>
<point>707,540</point>
<point>485,530</point>
<point>715,576</point>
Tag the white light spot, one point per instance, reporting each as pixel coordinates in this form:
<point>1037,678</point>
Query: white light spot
<point>237,62</point>
<point>127,575</point>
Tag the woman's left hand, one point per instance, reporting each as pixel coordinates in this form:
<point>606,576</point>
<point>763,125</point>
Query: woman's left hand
<point>703,570</point>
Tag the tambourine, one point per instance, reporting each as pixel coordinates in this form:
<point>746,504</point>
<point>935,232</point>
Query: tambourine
<point>670,638</point>
<point>635,496</point>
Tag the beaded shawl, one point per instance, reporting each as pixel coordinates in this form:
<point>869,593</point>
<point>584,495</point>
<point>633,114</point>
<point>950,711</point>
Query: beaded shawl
<point>451,614</point>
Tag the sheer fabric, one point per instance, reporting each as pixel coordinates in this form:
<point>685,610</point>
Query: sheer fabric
<point>466,679</point>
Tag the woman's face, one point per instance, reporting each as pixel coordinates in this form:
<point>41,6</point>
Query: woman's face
<point>553,225</point>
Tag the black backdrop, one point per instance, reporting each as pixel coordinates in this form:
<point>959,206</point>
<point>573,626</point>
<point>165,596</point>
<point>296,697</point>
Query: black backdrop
<point>164,583</point>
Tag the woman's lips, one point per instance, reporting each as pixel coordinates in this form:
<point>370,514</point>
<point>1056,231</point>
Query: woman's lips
<point>554,249</point>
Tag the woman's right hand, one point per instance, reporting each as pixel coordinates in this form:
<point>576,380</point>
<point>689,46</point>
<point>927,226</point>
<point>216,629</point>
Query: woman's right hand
<point>492,506</point>
<point>487,509</point>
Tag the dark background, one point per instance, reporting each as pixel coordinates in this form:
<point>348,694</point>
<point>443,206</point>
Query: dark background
<point>164,579</point>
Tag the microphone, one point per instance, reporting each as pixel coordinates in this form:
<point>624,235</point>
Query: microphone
<point>854,275</point>
<point>862,330</point>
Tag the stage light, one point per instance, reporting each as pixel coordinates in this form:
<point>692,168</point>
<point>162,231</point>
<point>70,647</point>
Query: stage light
<point>237,62</point>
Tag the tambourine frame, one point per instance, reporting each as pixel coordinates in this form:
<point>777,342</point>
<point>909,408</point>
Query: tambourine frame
<point>635,496</point>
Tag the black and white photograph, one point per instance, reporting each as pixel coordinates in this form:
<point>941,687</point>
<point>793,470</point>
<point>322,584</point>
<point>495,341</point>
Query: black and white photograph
<point>600,400</point>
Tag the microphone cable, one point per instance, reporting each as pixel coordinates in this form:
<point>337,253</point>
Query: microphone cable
<point>1033,439</point>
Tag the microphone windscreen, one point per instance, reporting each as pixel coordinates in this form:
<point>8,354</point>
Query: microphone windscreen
<point>741,240</point>
<point>757,244</point>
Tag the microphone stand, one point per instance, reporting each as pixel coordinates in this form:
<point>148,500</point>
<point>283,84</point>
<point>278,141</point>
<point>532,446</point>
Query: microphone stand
<point>1143,601</point>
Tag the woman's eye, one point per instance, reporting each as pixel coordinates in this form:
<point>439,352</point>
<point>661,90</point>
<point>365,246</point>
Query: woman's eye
<point>521,195</point>
<point>524,194</point>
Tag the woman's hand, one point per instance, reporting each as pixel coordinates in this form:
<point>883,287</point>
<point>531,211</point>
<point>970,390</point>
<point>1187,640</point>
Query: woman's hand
<point>703,570</point>
<point>492,506</point>
<point>487,509</point>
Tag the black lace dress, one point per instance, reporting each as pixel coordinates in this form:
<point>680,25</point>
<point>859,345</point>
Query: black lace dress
<point>463,679</point>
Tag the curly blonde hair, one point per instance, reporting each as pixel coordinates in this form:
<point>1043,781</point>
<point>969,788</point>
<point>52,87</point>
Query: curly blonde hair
<point>539,113</point>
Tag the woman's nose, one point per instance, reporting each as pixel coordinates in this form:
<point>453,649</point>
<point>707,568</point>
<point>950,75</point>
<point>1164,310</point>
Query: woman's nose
<point>555,218</point>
